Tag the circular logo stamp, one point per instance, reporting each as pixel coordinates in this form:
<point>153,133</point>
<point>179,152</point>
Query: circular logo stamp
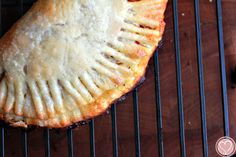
<point>225,146</point>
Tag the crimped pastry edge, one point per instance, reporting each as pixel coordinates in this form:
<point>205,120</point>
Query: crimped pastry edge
<point>53,123</point>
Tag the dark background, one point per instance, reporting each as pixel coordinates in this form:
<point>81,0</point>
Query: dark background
<point>103,132</point>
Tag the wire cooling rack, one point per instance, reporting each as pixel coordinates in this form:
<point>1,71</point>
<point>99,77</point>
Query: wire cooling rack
<point>47,145</point>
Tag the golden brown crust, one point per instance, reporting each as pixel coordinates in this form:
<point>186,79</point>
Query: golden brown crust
<point>152,27</point>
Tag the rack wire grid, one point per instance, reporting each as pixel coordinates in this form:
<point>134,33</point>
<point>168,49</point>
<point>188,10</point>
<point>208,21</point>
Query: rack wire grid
<point>20,4</point>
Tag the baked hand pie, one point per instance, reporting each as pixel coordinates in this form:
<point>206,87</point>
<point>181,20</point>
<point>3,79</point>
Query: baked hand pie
<point>66,61</point>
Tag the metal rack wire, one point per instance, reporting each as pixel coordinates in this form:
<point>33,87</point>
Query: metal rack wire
<point>201,78</point>
<point>160,146</point>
